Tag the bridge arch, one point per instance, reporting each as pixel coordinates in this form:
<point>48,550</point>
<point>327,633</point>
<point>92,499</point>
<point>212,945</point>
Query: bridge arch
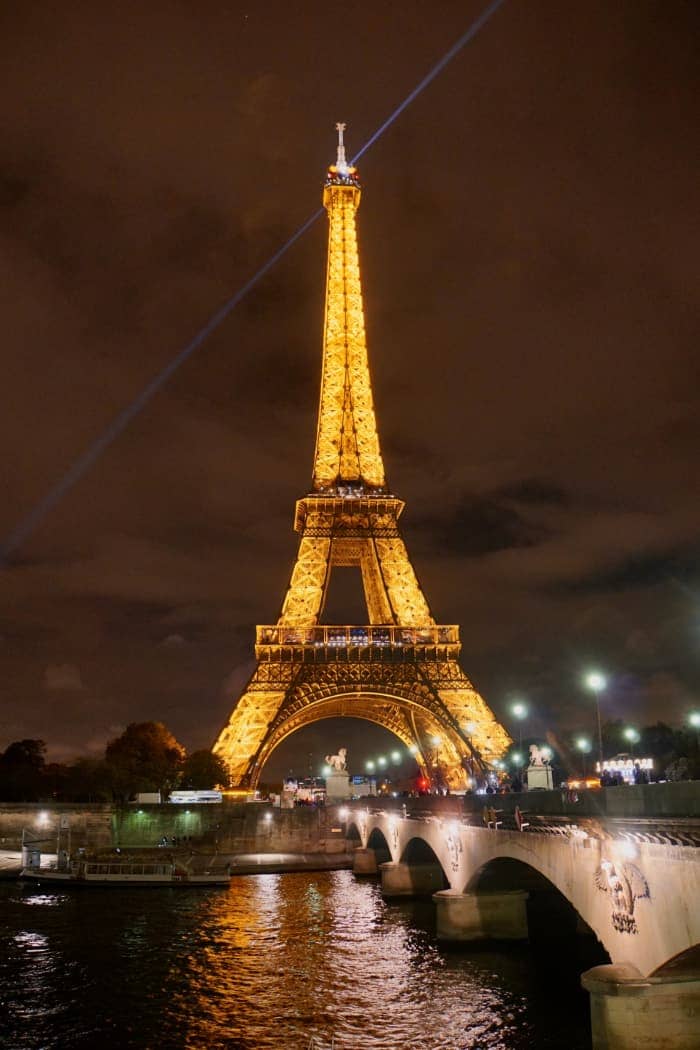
<point>511,864</point>
<point>418,852</point>
<point>378,842</point>
<point>353,834</point>
<point>550,910</point>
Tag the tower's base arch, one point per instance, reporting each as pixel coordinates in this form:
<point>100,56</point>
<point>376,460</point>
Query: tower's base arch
<point>440,746</point>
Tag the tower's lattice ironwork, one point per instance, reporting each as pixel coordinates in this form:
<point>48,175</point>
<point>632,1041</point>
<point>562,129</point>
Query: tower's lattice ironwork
<point>400,670</point>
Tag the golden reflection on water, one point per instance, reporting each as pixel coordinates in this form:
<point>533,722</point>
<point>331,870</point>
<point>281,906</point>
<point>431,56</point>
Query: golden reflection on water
<point>263,965</point>
<point>280,958</point>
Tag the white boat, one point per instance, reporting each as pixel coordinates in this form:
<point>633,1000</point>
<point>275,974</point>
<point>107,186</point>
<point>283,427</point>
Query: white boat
<point>109,872</point>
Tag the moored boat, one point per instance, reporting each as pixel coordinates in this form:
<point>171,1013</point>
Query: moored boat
<point>82,871</point>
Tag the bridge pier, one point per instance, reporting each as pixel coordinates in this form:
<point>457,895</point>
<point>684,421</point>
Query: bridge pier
<point>364,862</point>
<point>631,1012</point>
<point>481,916</point>
<point>410,880</point>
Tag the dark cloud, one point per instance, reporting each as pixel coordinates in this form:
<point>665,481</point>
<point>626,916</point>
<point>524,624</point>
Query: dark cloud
<point>644,571</point>
<point>534,491</point>
<point>527,238</point>
<point>480,525</point>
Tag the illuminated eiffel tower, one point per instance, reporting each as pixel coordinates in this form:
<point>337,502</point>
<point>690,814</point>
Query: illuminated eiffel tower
<point>400,670</point>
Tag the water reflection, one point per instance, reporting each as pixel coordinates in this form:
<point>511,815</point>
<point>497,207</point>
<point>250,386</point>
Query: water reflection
<point>328,957</point>
<point>265,964</point>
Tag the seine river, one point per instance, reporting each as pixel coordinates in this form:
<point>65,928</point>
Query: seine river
<point>264,965</point>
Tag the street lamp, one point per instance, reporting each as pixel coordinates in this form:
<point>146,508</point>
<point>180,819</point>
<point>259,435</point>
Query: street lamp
<point>632,736</point>
<point>469,729</point>
<point>437,740</point>
<point>369,766</point>
<point>584,746</point>
<point>694,720</point>
<point>596,682</point>
<point>519,709</point>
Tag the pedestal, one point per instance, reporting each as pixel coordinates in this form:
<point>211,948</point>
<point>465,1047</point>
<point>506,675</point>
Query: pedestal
<point>631,1012</point>
<point>410,880</point>
<point>337,786</point>
<point>364,862</point>
<point>539,777</point>
<point>481,916</point>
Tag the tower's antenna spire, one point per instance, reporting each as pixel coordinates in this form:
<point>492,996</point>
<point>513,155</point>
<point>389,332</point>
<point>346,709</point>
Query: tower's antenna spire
<point>341,163</point>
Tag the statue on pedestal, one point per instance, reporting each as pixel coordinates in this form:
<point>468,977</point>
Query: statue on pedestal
<point>539,772</point>
<point>338,779</point>
<point>338,762</point>
<point>538,756</point>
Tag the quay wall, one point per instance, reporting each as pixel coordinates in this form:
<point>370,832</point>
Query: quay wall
<point>228,827</point>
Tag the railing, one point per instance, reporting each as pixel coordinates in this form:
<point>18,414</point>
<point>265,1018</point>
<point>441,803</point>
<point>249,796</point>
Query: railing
<point>95,868</point>
<point>349,637</point>
<point>551,813</point>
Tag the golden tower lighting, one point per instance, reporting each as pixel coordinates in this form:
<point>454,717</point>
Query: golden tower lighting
<point>399,669</point>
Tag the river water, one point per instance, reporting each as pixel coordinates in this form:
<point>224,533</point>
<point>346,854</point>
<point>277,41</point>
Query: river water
<point>264,965</point>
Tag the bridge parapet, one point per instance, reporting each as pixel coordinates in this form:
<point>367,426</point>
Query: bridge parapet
<point>672,799</point>
<point>662,813</point>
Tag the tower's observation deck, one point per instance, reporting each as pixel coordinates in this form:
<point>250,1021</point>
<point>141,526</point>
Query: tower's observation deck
<point>400,668</point>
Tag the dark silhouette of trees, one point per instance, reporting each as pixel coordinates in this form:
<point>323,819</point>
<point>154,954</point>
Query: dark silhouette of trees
<point>88,780</point>
<point>21,768</point>
<point>146,757</point>
<point>203,770</point>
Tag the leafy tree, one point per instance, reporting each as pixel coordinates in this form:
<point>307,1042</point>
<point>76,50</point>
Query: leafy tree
<point>21,767</point>
<point>54,777</point>
<point>88,780</point>
<point>614,741</point>
<point>203,770</point>
<point>25,753</point>
<point>146,757</point>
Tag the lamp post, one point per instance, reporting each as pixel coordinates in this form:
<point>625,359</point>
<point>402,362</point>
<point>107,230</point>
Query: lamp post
<point>584,746</point>
<point>632,736</point>
<point>517,760</point>
<point>437,740</point>
<point>469,730</point>
<point>694,720</point>
<point>597,682</point>
<point>519,709</point>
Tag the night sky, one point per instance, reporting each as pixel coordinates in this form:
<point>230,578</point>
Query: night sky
<point>528,238</point>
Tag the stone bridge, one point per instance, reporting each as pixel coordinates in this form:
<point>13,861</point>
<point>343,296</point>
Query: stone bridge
<point>637,891</point>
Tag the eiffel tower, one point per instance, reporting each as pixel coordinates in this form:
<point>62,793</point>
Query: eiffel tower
<point>400,670</point>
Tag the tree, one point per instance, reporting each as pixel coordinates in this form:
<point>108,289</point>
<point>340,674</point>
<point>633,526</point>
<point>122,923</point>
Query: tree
<point>21,768</point>
<point>88,780</point>
<point>203,770</point>
<point>614,741</point>
<point>146,757</point>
